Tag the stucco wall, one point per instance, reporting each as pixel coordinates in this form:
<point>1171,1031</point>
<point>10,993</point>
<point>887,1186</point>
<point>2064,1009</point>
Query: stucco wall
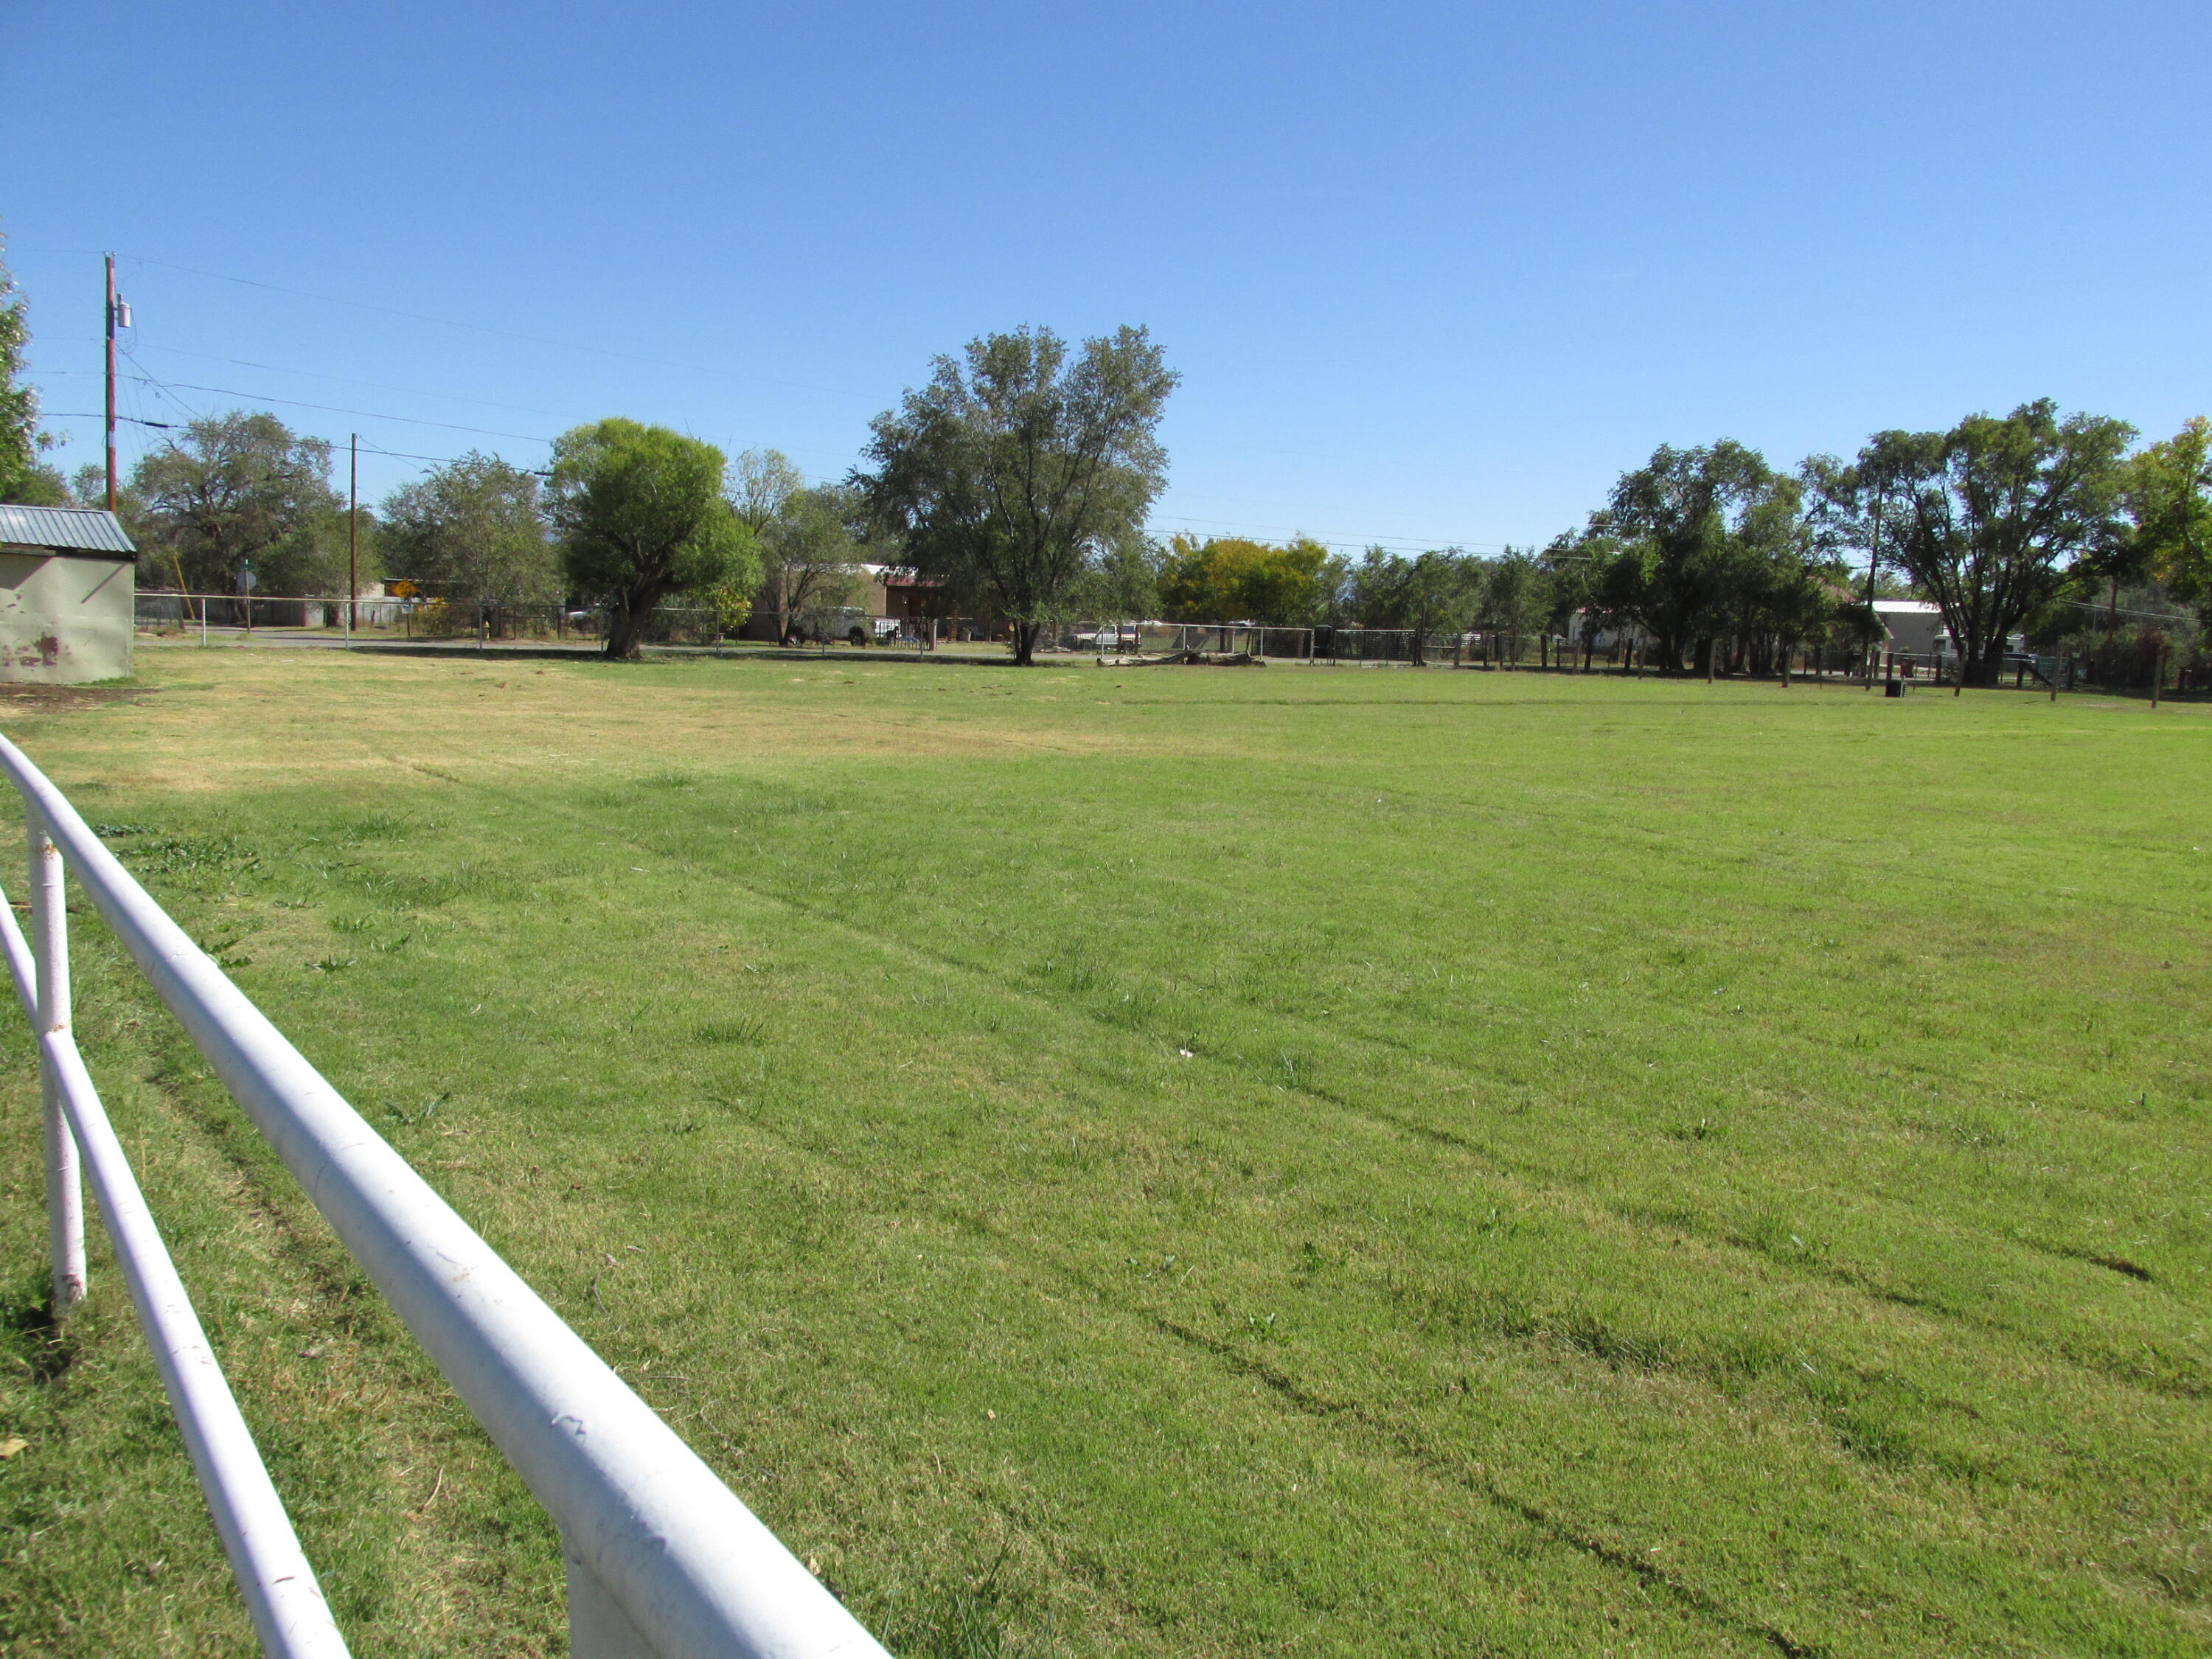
<point>64,618</point>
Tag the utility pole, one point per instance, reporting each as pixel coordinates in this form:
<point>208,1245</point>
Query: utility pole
<point>353,529</point>
<point>1874,564</point>
<point>110,383</point>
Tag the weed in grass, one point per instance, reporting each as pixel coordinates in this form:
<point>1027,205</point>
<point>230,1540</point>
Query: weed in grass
<point>945,1622</point>
<point>377,826</point>
<point>199,860</point>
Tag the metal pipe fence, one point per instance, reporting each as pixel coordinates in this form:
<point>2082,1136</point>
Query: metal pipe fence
<point>424,618</point>
<point>663,1560</point>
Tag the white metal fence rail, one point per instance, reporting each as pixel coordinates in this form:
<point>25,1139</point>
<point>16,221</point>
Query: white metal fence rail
<point>664,1562</point>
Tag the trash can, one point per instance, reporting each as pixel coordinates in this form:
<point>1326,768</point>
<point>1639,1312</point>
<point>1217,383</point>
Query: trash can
<point>1892,687</point>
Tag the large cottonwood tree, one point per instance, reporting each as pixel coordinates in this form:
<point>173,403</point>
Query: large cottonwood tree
<point>2169,496</point>
<point>2001,507</point>
<point>237,490</point>
<point>641,516</point>
<point>1699,519</point>
<point>1019,462</point>
<point>810,558</point>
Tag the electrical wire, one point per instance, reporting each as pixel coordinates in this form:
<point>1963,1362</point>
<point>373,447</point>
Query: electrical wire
<point>1388,544</point>
<point>485,328</point>
<point>2122,610</point>
<point>404,455</point>
<point>308,374</point>
<point>58,414</point>
<point>333,409</point>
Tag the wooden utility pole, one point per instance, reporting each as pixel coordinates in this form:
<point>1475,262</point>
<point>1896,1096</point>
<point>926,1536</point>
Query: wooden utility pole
<point>353,528</point>
<point>110,383</point>
<point>1873,565</point>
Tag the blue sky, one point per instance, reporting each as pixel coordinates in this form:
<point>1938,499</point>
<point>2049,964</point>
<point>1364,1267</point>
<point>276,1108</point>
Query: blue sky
<point>1431,274</point>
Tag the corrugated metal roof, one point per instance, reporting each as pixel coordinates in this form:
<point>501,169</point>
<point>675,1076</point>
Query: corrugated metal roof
<point>77,529</point>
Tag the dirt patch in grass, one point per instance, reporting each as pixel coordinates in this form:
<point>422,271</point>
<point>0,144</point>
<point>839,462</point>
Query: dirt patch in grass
<point>22,694</point>
<point>246,719</point>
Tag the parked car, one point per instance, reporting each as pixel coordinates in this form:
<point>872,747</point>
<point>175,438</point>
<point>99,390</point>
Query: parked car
<point>1106,636</point>
<point>848,623</point>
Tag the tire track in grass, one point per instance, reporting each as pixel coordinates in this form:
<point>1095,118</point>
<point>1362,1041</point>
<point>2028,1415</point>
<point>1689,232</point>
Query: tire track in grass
<point>1400,1442</point>
<point>421,1576</point>
<point>1411,1447</point>
<point>1563,1197</point>
<point>1378,1427</point>
<point>2124,1369</point>
<point>1375,1429</point>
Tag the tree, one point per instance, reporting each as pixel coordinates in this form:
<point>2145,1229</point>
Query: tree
<point>2169,497</point>
<point>1863,506</point>
<point>1229,579</point>
<point>1775,597</point>
<point>809,556</point>
<point>1436,593</point>
<point>1574,567</point>
<point>88,487</point>
<point>2000,509</point>
<point>471,530</point>
<point>1123,582</point>
<point>1512,599</point>
<point>641,516</point>
<point>762,482</point>
<point>1011,472</point>
<point>1697,514</point>
<point>238,489</point>
<point>23,476</point>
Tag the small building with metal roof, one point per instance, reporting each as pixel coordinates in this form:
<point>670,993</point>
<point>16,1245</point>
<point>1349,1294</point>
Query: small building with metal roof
<point>68,590</point>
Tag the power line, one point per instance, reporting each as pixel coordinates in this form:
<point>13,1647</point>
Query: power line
<point>486,328</point>
<point>2122,610</point>
<point>333,409</point>
<point>404,455</point>
<point>63,414</point>
<point>1390,544</point>
<point>309,373</point>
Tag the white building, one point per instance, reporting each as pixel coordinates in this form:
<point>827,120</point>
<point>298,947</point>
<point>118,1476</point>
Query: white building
<point>68,576</point>
<point>1912,626</point>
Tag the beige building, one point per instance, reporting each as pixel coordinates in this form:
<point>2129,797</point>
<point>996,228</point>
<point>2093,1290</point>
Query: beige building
<point>1912,627</point>
<point>68,577</point>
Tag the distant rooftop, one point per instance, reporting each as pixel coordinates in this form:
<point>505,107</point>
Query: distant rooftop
<point>1908,607</point>
<point>64,529</point>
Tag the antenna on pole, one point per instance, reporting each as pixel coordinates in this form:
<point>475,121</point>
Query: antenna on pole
<point>110,383</point>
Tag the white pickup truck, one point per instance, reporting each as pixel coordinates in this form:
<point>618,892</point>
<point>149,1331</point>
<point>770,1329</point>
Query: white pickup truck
<point>848,623</point>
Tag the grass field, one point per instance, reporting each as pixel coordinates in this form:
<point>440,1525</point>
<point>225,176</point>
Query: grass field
<point>1180,1162</point>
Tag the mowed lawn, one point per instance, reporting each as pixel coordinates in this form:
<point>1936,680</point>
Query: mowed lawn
<point>1180,1161</point>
